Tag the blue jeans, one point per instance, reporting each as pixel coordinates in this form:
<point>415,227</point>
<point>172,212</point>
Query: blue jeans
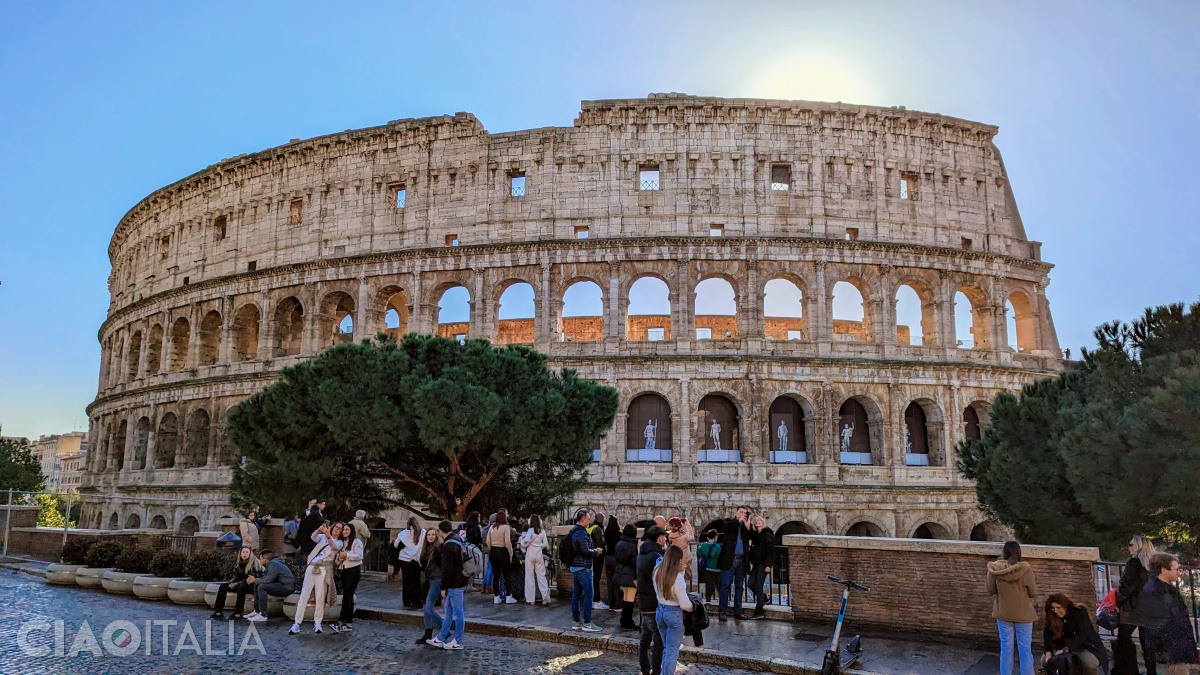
<point>736,577</point>
<point>454,613</point>
<point>670,625</point>
<point>487,571</point>
<point>582,588</point>
<point>432,618</point>
<point>1023,632</point>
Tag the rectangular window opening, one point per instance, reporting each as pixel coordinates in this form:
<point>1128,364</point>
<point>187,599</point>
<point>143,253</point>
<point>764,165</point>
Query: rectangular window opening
<point>781,176</point>
<point>399,194</point>
<point>461,337</point>
<point>795,335</point>
<point>967,244</point>
<point>452,240</point>
<point>219,228</point>
<point>164,246</point>
<point>656,334</point>
<point>716,230</point>
<point>703,333</point>
<point>648,178</point>
<point>908,186</point>
<point>296,215</point>
<point>186,280</point>
<point>581,231</point>
<point>851,234</point>
<point>252,265</point>
<point>516,184</point>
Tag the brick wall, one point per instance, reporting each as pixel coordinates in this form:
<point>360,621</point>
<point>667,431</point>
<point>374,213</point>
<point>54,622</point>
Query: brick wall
<point>922,586</point>
<point>777,327</point>
<point>720,325</point>
<point>583,328</point>
<point>17,516</point>
<point>638,326</point>
<point>44,543</point>
<point>514,331</point>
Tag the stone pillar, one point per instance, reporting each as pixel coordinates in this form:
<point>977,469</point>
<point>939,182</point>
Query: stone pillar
<point>685,297</point>
<point>821,325</point>
<point>751,306</point>
<point>482,308</point>
<point>682,418</point>
<point>545,311</point>
<point>946,331</point>
<point>225,347</point>
<point>309,343</point>
<point>887,308</point>
<point>613,324</point>
<point>418,322</point>
<point>193,355</point>
<point>364,316</point>
<point>266,328</point>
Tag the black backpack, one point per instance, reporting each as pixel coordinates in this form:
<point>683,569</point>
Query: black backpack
<point>1064,664</point>
<point>566,550</point>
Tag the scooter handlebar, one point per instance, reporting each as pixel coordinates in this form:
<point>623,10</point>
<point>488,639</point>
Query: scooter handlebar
<point>848,583</point>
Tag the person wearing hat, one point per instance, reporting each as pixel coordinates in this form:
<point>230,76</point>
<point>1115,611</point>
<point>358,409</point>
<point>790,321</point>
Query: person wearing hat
<point>361,531</point>
<point>680,533</point>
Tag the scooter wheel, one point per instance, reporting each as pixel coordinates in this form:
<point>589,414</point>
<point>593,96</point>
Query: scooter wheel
<point>831,665</point>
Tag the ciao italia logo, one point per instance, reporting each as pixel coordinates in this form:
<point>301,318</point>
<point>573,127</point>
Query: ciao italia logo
<point>161,637</point>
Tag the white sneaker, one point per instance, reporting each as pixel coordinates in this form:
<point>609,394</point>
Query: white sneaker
<point>250,616</point>
<point>256,618</point>
<point>599,605</point>
<point>317,629</point>
<point>510,600</point>
<point>434,642</point>
<point>294,629</point>
<point>452,644</point>
<point>497,600</point>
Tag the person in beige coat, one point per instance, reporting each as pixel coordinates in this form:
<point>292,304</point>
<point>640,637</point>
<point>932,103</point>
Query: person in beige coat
<point>1012,586</point>
<point>248,529</point>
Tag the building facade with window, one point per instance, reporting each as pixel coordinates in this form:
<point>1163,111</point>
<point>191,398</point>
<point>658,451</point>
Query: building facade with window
<point>804,306</point>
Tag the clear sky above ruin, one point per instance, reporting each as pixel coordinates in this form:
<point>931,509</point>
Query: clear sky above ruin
<point>100,104</point>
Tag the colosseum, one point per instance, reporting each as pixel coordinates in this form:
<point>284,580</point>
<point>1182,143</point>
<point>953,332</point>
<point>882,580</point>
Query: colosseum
<point>735,268</point>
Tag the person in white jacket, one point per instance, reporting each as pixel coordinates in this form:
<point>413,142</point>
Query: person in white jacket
<point>671,589</point>
<point>534,544</point>
<point>410,541</point>
<point>349,560</point>
<point>317,574</point>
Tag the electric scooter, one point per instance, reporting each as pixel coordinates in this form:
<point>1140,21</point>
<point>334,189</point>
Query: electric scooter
<point>836,661</point>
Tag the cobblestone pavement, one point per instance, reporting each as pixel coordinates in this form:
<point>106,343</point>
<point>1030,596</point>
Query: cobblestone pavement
<point>373,647</point>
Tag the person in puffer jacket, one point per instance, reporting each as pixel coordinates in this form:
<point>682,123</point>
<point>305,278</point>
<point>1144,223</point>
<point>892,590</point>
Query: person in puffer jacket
<point>1011,583</point>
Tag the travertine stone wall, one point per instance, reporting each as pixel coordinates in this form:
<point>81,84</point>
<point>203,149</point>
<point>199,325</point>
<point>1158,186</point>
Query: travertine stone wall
<point>224,277</point>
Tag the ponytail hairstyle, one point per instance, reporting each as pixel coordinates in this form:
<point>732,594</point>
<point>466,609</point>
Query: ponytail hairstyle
<point>668,570</point>
<point>535,521</point>
<point>1145,549</point>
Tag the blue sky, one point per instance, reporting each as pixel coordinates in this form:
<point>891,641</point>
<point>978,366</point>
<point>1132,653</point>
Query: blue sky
<point>102,103</point>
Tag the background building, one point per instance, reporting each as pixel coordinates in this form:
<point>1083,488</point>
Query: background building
<point>63,457</point>
<point>735,268</point>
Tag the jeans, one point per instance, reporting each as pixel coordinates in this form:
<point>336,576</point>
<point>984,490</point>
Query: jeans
<point>432,618</point>
<point>455,614</point>
<point>735,577</point>
<point>670,625</point>
<point>487,572</point>
<point>1023,634</point>
<point>350,578</point>
<point>581,589</point>
<point>650,648</point>
<point>277,589</point>
<point>758,577</point>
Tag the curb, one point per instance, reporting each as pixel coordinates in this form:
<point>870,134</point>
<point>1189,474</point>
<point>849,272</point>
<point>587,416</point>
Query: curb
<point>27,568</point>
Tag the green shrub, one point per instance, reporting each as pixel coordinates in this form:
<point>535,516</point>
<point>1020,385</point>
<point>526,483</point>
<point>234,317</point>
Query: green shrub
<point>168,563</point>
<point>76,550</point>
<point>210,565</point>
<point>104,554</point>
<point>134,559</point>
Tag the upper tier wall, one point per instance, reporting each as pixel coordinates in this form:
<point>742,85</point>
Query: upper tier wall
<point>335,195</point>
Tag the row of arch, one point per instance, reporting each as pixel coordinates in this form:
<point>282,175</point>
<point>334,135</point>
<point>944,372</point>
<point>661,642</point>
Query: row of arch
<point>173,441</point>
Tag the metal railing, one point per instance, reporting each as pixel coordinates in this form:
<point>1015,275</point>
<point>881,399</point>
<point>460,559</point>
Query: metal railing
<point>184,543</point>
<point>377,551</point>
<point>1108,576</point>
<point>777,586</point>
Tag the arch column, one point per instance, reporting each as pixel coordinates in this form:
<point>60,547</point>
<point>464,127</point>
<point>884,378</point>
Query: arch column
<point>684,310</point>
<point>886,308</point>
<point>822,326</point>
<point>266,328</point>
<point>481,311</point>
<point>312,312</point>
<point>364,321</point>
<point>225,348</point>
<point>683,452</point>
<point>751,304</point>
<point>544,311</point>
<point>946,313</point>
<point>612,306</point>
<point>193,355</point>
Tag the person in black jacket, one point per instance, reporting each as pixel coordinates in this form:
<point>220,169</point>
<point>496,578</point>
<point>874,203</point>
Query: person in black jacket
<point>735,544</point>
<point>650,647</point>
<point>313,520</point>
<point>454,584</point>
<point>612,535</point>
<point>625,573</point>
<point>596,530</point>
<point>761,559</point>
<point>246,571</point>
<point>1133,580</point>
<point>1069,630</point>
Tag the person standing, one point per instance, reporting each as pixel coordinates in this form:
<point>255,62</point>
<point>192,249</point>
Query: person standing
<point>596,531</point>
<point>453,586</point>
<point>291,527</point>
<point>673,601</point>
<point>431,568</point>
<point>319,565</point>
<point>246,571</point>
<point>409,543</point>
<point>314,519</point>
<point>1011,583</point>
<point>500,554</point>
<point>473,535</point>
<point>735,543</point>
<point>349,560</point>
<point>681,533</point>
<point>761,559</point>
<point>277,582</point>
<point>708,556</point>
<point>1069,630</point>
<point>248,528</point>
<point>625,574</point>
<point>1133,580</point>
<point>488,572</point>
<point>581,556</point>
<point>361,531</point>
<point>534,543</point>
<point>612,535</point>
<point>650,644</point>
<point>1167,616</point>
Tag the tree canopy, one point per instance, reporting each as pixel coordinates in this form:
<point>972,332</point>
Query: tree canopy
<point>19,469</point>
<point>426,423</point>
<point>1104,451</point>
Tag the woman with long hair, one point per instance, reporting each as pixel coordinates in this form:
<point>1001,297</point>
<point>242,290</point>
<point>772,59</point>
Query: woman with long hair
<point>534,543</point>
<point>625,574</point>
<point>673,601</point>
<point>1011,583</point>
<point>431,566</point>
<point>1133,580</point>
<point>349,560</point>
<point>410,541</point>
<point>1068,631</point>
<point>246,571</point>
<point>318,571</point>
<point>500,553</point>
<point>612,536</point>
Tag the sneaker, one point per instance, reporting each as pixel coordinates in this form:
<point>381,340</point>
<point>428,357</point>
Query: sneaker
<point>740,616</point>
<point>599,605</point>
<point>258,618</point>
<point>545,601</point>
<point>219,616</point>
<point>452,644</point>
<point>590,628</point>
<point>497,600</point>
<point>294,629</point>
<point>335,627</point>
<point>235,615</point>
<point>756,617</point>
<point>347,627</point>
<point>576,625</point>
<point>510,600</point>
<point>317,628</point>
<point>250,616</point>
<point>434,642</point>
<point>722,617</point>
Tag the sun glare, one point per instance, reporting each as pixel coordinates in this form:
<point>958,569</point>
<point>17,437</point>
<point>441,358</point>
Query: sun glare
<point>811,77</point>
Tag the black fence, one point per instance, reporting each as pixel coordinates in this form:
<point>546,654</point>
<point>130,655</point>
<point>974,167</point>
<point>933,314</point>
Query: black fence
<point>184,543</point>
<point>777,586</point>
<point>377,551</point>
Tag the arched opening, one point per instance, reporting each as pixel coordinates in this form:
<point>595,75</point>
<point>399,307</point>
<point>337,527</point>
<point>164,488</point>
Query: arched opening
<point>515,315</point>
<point>716,310</point>
<point>134,355</point>
<point>988,530</point>
<point>158,523</point>
<point>971,420</point>
<point>850,319</point>
<point>117,459</point>
<point>114,521</point>
<point>916,320</point>
<point>931,531</point>
<point>582,313</point>
<point>289,327</point>
<point>166,441</point>
<point>916,436</point>
<point>864,528</point>
<point>793,527</point>
<point>854,433</point>
<point>789,440</point>
<point>227,453</point>
<point>195,452</point>
<point>783,310</point>
<point>189,526</point>
<point>970,319</point>
<point>649,312</point>
<point>337,319</point>
<point>210,339</point>
<point>1021,321</point>
<point>181,332</point>
<point>648,430</point>
<point>245,333</point>
<point>454,313</point>
<point>133,521</point>
<point>395,312</point>
<point>141,438</point>
<point>154,350</point>
<point>717,422</point>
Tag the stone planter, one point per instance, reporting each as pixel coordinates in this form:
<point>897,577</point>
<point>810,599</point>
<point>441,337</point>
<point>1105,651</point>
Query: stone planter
<point>186,591</point>
<point>289,609</point>
<point>210,595</point>
<point>90,577</point>
<point>61,573</point>
<point>120,583</point>
<point>147,587</point>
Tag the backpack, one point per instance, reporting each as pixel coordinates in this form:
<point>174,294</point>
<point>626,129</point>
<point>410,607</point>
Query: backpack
<point>472,559</point>
<point>1064,664</point>
<point>566,550</point>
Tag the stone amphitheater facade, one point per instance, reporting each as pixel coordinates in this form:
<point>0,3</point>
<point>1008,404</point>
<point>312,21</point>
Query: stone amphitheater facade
<point>260,261</point>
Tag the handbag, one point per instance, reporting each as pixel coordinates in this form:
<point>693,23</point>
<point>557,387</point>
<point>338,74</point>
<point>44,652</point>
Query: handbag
<point>1064,664</point>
